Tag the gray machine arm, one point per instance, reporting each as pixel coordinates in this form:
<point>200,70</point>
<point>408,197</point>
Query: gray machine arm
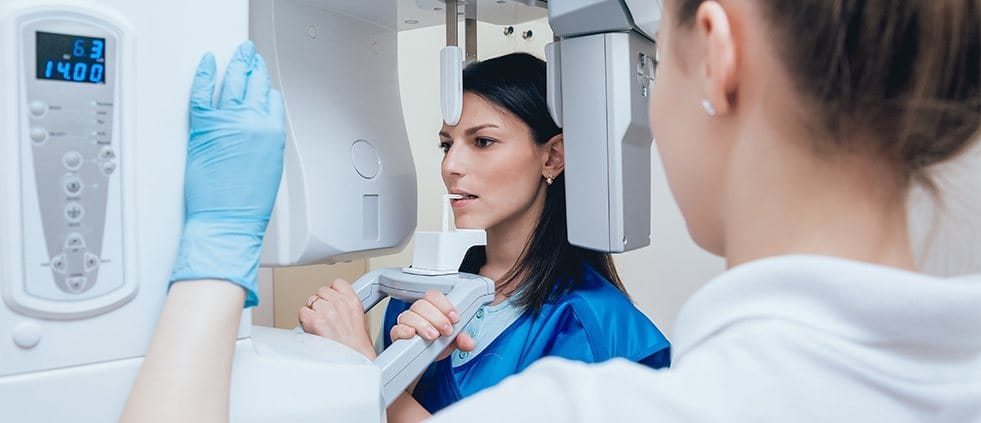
<point>600,73</point>
<point>406,359</point>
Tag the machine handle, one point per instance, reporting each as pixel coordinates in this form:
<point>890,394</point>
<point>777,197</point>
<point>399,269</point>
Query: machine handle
<point>406,359</point>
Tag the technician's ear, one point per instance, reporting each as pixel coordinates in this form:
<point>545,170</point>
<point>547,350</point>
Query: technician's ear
<point>720,56</point>
<point>555,159</point>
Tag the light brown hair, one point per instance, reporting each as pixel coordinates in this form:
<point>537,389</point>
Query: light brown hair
<point>898,78</point>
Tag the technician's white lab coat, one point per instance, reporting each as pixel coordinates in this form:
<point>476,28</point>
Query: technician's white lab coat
<point>787,339</point>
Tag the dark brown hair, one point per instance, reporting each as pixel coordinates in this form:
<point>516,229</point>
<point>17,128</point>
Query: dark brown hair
<point>897,78</point>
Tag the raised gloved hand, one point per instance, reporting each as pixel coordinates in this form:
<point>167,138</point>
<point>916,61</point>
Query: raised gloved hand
<point>234,165</point>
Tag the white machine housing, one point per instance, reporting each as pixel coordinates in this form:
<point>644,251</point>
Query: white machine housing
<point>349,182</point>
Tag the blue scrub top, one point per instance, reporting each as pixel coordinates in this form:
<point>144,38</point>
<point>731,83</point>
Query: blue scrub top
<point>593,323</point>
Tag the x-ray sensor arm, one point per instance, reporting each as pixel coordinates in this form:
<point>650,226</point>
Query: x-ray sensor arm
<point>600,73</point>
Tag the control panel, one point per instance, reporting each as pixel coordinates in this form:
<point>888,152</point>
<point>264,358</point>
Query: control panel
<point>71,193</point>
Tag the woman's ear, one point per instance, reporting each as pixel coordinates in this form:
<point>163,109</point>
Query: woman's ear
<point>720,56</point>
<point>555,156</point>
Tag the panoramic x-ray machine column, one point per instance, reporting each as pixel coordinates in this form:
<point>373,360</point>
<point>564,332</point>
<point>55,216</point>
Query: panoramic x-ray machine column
<point>93,133</point>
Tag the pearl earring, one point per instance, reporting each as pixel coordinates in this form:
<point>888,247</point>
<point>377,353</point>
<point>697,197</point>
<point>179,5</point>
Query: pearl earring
<point>549,180</point>
<point>707,105</point>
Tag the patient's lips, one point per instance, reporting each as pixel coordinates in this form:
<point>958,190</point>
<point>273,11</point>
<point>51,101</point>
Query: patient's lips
<point>463,198</point>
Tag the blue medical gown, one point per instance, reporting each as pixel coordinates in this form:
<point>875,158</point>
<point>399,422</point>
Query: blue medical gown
<point>593,323</point>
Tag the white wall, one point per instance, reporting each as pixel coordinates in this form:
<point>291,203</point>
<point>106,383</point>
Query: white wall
<point>946,228</point>
<point>659,278</point>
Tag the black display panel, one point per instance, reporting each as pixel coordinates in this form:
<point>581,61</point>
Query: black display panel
<point>72,58</point>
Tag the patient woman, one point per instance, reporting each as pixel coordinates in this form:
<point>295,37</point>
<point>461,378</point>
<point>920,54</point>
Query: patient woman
<point>505,158</point>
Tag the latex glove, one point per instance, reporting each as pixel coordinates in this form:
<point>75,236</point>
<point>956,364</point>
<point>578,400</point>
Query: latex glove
<point>234,165</point>
<point>430,318</point>
<point>335,312</point>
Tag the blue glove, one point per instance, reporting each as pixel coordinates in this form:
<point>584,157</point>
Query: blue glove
<point>234,164</point>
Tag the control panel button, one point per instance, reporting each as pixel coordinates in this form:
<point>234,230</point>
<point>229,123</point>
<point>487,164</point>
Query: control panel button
<point>39,135</point>
<point>58,263</point>
<point>91,262</point>
<point>76,283</point>
<point>72,160</point>
<point>27,334</point>
<point>74,241</point>
<point>38,108</point>
<point>107,153</point>
<point>73,186</point>
<point>107,168</point>
<point>74,212</point>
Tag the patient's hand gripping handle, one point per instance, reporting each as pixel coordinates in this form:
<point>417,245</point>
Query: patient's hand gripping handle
<point>406,359</point>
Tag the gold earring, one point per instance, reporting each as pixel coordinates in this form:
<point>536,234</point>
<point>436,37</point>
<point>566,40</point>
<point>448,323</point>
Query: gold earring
<point>549,180</point>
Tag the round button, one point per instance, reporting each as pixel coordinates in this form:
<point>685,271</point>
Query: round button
<point>58,263</point>
<point>480,313</point>
<point>107,168</point>
<point>365,159</point>
<point>74,212</point>
<point>72,160</point>
<point>39,135</point>
<point>38,108</point>
<point>73,186</point>
<point>27,334</point>
<point>463,355</point>
<point>107,153</point>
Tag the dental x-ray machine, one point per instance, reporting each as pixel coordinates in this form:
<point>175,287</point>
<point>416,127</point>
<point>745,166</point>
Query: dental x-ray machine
<point>93,115</point>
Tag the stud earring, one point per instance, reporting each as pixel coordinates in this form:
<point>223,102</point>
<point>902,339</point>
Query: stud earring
<point>549,180</point>
<point>707,105</point>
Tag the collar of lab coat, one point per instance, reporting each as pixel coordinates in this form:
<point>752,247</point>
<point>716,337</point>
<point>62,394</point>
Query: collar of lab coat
<point>862,302</point>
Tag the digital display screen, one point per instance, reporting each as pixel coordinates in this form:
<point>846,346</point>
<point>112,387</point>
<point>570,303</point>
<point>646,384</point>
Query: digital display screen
<point>72,58</point>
